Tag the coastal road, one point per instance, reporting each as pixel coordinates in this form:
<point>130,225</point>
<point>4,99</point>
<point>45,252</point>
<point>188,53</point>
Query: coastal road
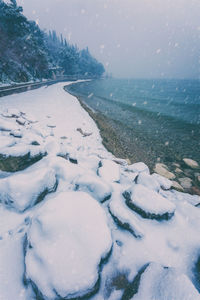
<point>18,88</point>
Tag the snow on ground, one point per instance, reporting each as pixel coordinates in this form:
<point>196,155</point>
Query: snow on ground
<point>77,222</point>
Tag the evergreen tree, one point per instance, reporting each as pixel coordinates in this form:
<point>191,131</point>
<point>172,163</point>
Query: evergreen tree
<point>28,53</point>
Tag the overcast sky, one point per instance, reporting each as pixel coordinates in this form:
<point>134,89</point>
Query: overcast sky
<point>133,38</point>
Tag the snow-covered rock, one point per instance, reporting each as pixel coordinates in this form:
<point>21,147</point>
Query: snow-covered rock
<point>149,181</point>
<point>124,217</point>
<point>66,243</point>
<point>120,161</point>
<point>92,162</point>
<point>184,197</point>
<point>92,184</point>
<point>138,168</point>
<point>109,170</point>
<point>165,183</point>
<point>24,189</point>
<point>164,283</point>
<point>148,203</point>
<point>12,113</point>
<point>16,133</point>
<point>20,156</point>
<point>65,170</point>
<point>21,121</point>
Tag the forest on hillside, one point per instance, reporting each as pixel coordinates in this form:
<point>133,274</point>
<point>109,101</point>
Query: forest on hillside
<point>28,53</point>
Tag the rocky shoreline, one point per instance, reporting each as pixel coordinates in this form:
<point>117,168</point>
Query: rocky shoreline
<point>185,176</point>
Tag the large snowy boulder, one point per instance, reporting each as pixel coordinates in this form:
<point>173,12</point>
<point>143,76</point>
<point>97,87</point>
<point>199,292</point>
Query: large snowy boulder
<point>66,243</point>
<point>95,186</point>
<point>109,170</point>
<point>163,283</point>
<point>149,204</point>
<point>24,189</point>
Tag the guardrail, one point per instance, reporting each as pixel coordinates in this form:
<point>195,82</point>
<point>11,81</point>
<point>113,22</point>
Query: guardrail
<point>18,88</point>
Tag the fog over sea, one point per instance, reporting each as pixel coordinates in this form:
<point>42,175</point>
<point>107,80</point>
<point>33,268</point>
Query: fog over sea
<point>155,120</point>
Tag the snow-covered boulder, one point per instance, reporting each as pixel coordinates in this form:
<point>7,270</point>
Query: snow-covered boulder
<point>164,283</point>
<point>149,204</point>
<point>149,181</point>
<point>109,170</point>
<point>66,243</point>
<point>123,216</point>
<point>184,197</point>
<point>92,184</point>
<point>16,133</point>
<point>91,163</point>
<point>165,183</point>
<point>24,189</point>
<point>65,170</point>
<point>21,121</point>
<point>138,167</point>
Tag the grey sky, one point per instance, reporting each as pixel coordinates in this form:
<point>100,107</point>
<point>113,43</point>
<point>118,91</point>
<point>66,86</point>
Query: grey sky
<point>133,38</point>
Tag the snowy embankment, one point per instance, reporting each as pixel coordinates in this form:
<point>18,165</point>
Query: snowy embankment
<point>76,222</point>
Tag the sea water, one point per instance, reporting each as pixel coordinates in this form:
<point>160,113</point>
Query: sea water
<point>156,120</point>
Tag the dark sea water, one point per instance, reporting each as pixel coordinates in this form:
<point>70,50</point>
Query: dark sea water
<point>157,120</point>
